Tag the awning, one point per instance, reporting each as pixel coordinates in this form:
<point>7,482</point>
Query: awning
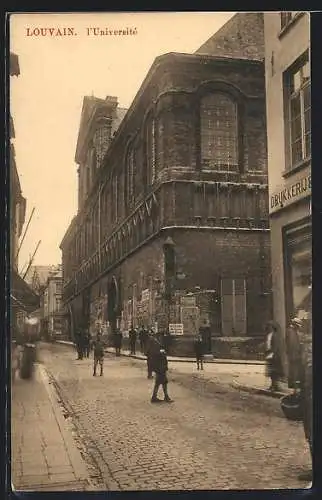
<point>22,295</point>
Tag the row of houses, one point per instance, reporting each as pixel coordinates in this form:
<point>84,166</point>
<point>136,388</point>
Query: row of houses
<point>47,282</point>
<point>194,204</point>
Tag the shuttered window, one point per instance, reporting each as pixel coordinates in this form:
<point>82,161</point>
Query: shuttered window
<point>233,306</point>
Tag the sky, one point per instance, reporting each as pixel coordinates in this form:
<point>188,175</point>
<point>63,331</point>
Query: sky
<point>56,72</point>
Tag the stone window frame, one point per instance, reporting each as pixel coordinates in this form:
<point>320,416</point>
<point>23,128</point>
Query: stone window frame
<point>236,95</point>
<point>291,95</point>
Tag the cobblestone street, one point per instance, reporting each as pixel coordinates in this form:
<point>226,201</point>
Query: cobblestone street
<point>225,441</point>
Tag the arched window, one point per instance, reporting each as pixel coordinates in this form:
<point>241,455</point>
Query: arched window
<point>150,137</point>
<point>219,132</point>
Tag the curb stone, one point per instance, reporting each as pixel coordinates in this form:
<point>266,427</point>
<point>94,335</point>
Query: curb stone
<point>258,390</point>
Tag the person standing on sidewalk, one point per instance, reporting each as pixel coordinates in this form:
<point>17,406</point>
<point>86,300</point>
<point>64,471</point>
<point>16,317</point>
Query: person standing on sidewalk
<point>199,351</point>
<point>98,349</point>
<point>274,366</point>
<point>160,367</point>
<point>87,343</point>
<point>118,337</point>
<point>132,340</point>
<point>299,337</point>
<point>79,343</point>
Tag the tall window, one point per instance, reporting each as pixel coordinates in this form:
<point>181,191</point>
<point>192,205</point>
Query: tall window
<point>130,164</point>
<point>219,132</point>
<point>151,151</point>
<point>298,92</point>
<point>114,197</point>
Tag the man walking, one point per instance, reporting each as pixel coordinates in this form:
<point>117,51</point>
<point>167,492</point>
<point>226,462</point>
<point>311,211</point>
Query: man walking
<point>199,351</point>
<point>98,349</point>
<point>160,367</point>
<point>152,348</point>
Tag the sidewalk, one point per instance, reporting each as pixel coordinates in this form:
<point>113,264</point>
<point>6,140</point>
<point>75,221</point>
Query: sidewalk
<point>44,456</point>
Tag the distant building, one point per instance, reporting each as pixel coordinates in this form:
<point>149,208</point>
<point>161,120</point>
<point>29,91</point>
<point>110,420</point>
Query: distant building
<point>173,224</point>
<point>23,299</point>
<point>37,276</point>
<point>53,314</point>
<point>288,100</point>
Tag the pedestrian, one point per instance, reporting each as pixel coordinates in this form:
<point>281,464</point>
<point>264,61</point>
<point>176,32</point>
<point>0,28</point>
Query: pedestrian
<point>118,341</point>
<point>98,349</point>
<point>299,343</point>
<point>132,340</point>
<point>205,333</point>
<point>160,367</point>
<point>152,347</point>
<point>167,341</point>
<point>79,343</point>
<point>274,366</point>
<point>199,351</point>
<point>143,339</point>
<point>87,343</point>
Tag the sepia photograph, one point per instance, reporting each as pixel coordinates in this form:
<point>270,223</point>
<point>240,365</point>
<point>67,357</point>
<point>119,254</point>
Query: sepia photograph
<point>160,251</point>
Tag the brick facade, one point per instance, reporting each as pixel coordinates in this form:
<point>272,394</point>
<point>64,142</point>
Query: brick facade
<point>217,218</point>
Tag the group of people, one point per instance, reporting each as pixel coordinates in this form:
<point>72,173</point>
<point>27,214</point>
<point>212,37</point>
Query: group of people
<point>83,343</point>
<point>299,373</point>
<point>142,335</point>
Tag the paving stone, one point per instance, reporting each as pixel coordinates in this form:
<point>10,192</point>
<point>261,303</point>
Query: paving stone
<point>199,442</point>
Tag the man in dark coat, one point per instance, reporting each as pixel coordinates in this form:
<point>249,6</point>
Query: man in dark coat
<point>160,367</point>
<point>205,333</point>
<point>98,349</point>
<point>143,336</point>
<point>87,343</point>
<point>152,347</point>
<point>199,351</point>
<point>79,341</point>
<point>299,336</point>
<point>118,342</point>
<point>132,340</point>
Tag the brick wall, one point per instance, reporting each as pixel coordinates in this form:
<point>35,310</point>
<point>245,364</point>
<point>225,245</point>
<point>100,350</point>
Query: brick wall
<point>241,36</point>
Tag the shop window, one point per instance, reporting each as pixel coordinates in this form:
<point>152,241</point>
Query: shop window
<point>297,91</point>
<point>298,243</point>
<point>219,132</point>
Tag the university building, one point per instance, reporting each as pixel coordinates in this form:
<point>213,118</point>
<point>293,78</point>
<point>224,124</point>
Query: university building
<point>288,99</point>
<point>172,226</point>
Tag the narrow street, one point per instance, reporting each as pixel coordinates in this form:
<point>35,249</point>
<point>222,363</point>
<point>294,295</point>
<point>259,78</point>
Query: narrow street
<point>222,439</point>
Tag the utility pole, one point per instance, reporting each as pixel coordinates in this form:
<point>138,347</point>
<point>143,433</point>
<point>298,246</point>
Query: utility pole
<point>31,260</point>
<point>24,235</point>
